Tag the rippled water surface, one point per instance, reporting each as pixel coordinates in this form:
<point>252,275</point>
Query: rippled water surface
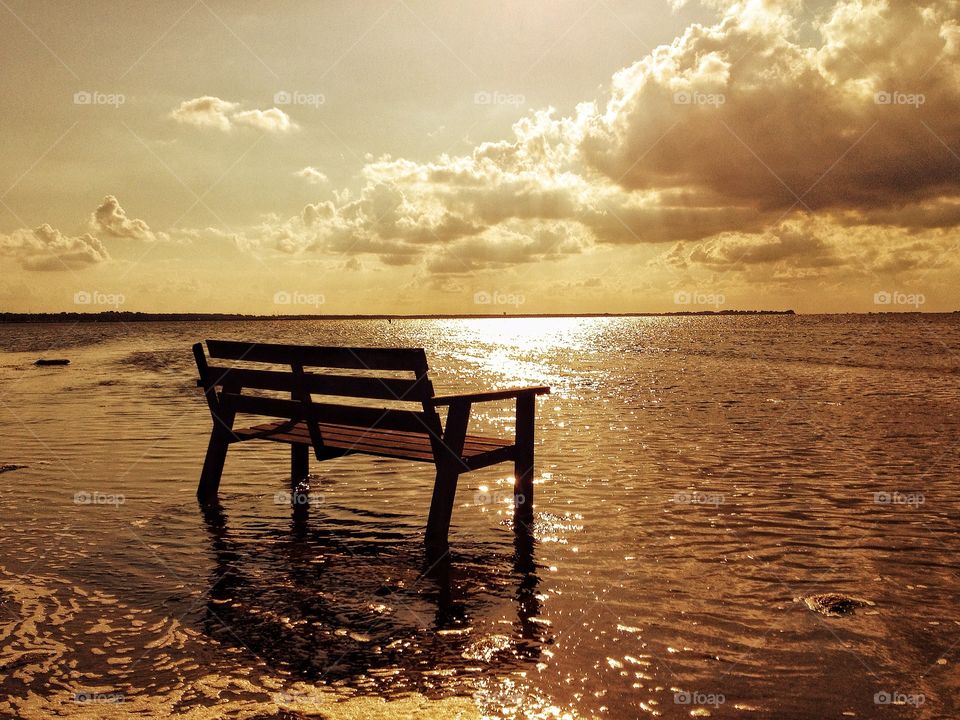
<point>700,481</point>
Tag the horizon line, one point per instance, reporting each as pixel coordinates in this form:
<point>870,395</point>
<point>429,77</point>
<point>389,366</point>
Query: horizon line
<point>121,315</point>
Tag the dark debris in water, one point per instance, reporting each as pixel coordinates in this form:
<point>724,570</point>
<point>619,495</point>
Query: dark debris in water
<point>168,361</point>
<point>10,468</point>
<point>835,604</point>
<point>389,588</point>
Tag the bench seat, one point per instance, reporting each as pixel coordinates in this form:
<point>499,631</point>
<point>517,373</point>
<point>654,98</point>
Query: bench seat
<point>375,441</point>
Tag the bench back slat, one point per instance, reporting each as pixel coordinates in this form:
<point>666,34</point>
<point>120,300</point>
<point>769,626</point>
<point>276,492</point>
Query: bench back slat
<point>365,417</point>
<point>413,359</point>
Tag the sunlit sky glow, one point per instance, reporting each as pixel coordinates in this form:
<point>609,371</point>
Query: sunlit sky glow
<point>410,156</point>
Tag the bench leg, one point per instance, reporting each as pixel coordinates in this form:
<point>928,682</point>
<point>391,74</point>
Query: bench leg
<point>441,510</point>
<point>213,467</point>
<point>448,454</point>
<point>299,464</point>
<point>523,461</point>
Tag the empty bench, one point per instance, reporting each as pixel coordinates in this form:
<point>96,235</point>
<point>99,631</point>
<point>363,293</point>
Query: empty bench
<point>348,401</point>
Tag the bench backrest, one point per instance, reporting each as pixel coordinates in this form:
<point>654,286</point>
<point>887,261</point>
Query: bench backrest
<point>386,388</point>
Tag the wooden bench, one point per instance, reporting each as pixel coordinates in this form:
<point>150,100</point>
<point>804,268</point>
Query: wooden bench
<point>384,405</point>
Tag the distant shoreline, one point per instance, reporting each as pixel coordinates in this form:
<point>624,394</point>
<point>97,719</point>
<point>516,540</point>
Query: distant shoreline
<point>116,316</point>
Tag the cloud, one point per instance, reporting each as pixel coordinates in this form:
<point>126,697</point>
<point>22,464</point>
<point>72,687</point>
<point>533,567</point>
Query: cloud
<point>505,246</point>
<point>212,112</point>
<point>45,248</point>
<point>744,113</point>
<point>312,175</point>
<point>816,244</point>
<point>716,139</point>
<point>792,244</point>
<point>111,219</point>
<point>206,111</point>
<point>272,120</point>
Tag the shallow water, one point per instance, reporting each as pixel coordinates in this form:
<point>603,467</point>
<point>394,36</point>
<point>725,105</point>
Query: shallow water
<point>698,478</point>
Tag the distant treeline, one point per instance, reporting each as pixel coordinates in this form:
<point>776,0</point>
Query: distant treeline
<point>130,317</point>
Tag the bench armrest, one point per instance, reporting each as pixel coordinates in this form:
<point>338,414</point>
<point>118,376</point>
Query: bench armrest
<point>490,395</point>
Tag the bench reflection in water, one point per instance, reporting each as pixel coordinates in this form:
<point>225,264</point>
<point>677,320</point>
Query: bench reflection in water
<point>327,605</point>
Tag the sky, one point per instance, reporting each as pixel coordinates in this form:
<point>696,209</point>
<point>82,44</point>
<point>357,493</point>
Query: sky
<point>406,156</point>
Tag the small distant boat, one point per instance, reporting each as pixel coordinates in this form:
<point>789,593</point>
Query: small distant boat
<point>52,361</point>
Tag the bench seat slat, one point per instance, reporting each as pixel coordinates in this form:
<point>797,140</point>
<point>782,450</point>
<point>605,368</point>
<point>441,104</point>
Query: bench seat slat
<point>352,447</point>
<point>478,440</point>
<point>474,444</point>
<point>408,445</point>
<point>371,444</point>
<point>413,359</point>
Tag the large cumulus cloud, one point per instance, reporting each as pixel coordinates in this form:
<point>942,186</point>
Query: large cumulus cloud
<point>46,248</point>
<point>798,125</point>
<point>112,220</point>
<point>851,116</point>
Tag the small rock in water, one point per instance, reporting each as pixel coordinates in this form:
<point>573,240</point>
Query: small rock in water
<point>8,468</point>
<point>835,604</point>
